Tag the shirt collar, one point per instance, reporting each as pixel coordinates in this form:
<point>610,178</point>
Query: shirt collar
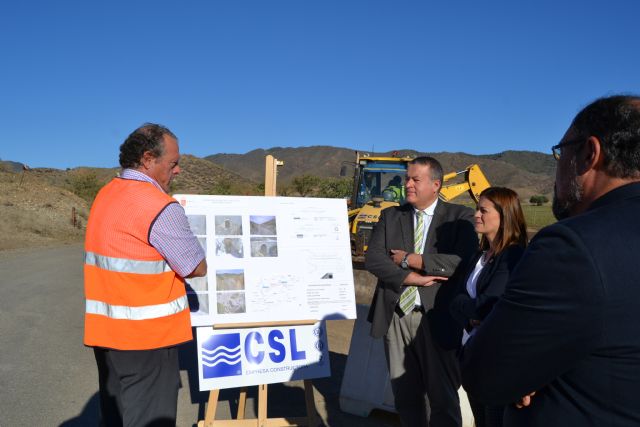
<point>139,176</point>
<point>429,210</point>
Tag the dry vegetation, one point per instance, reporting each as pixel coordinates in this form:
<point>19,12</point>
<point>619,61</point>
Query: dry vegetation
<point>35,213</point>
<point>199,176</point>
<point>36,205</point>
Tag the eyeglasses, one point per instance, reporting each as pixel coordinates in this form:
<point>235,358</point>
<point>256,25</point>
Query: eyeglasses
<point>555,150</point>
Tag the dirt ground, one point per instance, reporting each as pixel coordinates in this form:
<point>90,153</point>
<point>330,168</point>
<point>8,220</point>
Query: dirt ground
<point>35,214</point>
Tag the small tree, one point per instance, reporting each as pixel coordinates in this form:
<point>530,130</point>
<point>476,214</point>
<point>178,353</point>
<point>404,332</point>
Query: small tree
<point>538,200</point>
<point>221,187</point>
<point>337,188</point>
<point>305,184</point>
<point>285,191</point>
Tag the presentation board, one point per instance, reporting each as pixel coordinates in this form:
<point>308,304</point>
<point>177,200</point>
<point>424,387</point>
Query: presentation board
<point>270,259</point>
<point>229,358</point>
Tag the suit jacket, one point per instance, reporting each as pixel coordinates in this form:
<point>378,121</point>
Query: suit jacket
<point>567,326</point>
<point>451,241</point>
<point>489,286</point>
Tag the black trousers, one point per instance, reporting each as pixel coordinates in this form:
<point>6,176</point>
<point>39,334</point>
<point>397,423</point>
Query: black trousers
<point>138,388</point>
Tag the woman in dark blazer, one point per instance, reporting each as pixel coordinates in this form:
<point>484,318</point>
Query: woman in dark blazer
<point>500,221</point>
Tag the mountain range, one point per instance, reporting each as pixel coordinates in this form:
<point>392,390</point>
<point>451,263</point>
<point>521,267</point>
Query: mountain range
<point>527,172</point>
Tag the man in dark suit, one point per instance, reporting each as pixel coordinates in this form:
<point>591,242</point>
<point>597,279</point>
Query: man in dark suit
<point>567,325</point>
<point>415,251</point>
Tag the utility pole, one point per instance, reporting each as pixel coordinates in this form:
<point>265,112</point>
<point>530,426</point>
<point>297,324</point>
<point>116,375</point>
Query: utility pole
<point>271,174</point>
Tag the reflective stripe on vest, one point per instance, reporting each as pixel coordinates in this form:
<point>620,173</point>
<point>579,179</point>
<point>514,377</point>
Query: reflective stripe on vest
<point>137,313</point>
<point>123,265</point>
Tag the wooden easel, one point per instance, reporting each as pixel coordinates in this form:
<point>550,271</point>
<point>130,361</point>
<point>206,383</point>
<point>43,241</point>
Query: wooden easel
<point>262,421</point>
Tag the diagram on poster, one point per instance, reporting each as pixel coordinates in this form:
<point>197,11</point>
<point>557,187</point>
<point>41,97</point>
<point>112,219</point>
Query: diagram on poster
<point>270,259</point>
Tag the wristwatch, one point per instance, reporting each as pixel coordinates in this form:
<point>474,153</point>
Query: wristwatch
<point>405,263</point>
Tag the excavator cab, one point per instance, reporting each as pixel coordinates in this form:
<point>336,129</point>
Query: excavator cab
<point>380,181</point>
<point>378,184</point>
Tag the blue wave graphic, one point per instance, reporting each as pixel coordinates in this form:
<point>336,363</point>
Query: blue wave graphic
<point>221,349</point>
<point>221,356</point>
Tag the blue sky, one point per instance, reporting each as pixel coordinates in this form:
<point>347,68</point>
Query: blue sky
<point>232,76</point>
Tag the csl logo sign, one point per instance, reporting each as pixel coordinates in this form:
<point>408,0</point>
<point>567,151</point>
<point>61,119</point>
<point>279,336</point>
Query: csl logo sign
<point>254,347</point>
<point>222,355</point>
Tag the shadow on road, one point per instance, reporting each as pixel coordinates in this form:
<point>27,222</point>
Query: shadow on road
<point>90,413</point>
<point>188,357</point>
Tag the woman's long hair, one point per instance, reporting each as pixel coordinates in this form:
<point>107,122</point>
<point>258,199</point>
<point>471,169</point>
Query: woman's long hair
<point>513,228</point>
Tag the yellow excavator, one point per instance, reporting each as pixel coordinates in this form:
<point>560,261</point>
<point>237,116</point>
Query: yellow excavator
<point>378,184</point>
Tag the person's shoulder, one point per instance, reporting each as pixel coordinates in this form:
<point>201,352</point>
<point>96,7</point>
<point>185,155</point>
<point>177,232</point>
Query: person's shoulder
<point>514,249</point>
<point>559,236</point>
<point>512,253</point>
<point>397,210</point>
<point>454,208</point>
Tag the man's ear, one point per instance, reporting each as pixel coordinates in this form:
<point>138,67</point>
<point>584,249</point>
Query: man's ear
<point>147,159</point>
<point>590,157</point>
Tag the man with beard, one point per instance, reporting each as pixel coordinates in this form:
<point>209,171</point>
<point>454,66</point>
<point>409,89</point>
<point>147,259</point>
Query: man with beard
<point>565,334</point>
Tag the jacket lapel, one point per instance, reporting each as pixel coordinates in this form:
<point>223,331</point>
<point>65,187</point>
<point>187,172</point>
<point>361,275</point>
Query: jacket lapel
<point>485,274</point>
<point>406,227</point>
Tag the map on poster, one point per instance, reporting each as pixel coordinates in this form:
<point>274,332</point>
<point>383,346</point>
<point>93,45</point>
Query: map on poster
<point>270,259</point>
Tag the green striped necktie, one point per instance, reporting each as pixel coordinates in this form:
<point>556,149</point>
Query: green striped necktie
<point>408,297</point>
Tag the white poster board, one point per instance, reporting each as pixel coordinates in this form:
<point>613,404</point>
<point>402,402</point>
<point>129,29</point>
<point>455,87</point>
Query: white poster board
<point>270,259</point>
<point>229,358</point>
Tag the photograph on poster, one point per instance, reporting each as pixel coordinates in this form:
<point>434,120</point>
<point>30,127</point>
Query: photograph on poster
<point>198,224</point>
<point>230,280</point>
<point>203,243</point>
<point>263,225</point>
<point>264,247</point>
<point>228,225</point>
<point>228,246</point>
<point>198,304</point>
<point>197,284</point>
<point>231,302</point>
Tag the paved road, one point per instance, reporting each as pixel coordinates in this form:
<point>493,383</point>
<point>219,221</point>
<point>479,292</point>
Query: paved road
<point>48,378</point>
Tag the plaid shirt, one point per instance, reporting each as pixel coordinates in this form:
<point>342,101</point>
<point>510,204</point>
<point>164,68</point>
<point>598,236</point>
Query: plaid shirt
<point>170,233</point>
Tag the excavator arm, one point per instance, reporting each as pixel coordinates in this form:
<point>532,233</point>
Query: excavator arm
<point>474,183</point>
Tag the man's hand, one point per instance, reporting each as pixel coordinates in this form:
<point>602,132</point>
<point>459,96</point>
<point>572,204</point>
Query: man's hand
<point>525,401</point>
<point>413,260</point>
<point>415,279</point>
<point>397,255</point>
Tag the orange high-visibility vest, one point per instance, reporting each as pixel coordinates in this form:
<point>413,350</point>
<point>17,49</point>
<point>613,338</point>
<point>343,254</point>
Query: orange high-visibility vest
<point>134,301</point>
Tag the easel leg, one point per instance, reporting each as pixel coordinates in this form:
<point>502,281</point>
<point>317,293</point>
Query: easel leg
<point>262,404</point>
<point>210,413</point>
<point>242,403</point>
<point>310,403</point>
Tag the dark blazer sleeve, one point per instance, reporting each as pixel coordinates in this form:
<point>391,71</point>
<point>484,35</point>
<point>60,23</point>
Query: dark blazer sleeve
<point>549,317</point>
<point>377,260</point>
<point>490,286</point>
